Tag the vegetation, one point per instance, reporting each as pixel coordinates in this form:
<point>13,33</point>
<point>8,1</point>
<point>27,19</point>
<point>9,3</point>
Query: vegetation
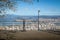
<point>10,4</point>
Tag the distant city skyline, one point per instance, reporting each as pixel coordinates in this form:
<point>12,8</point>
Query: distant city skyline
<point>46,7</point>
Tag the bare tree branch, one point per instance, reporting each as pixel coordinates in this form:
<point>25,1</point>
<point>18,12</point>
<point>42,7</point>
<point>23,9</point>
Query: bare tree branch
<point>10,4</point>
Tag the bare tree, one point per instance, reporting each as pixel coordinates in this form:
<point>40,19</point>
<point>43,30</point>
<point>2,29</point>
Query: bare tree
<point>10,4</point>
<point>5,4</point>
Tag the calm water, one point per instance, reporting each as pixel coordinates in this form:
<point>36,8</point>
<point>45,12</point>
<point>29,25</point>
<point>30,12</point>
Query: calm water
<point>12,23</point>
<point>9,23</point>
<point>9,19</point>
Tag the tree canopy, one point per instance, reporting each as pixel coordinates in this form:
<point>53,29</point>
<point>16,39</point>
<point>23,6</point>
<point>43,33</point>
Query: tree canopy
<point>10,4</point>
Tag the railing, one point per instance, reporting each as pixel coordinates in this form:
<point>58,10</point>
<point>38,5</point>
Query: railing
<point>27,25</point>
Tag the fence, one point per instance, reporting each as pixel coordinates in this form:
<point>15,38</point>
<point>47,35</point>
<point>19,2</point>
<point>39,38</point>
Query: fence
<point>27,25</point>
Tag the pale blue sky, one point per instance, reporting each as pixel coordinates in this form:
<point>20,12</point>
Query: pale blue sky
<point>46,7</point>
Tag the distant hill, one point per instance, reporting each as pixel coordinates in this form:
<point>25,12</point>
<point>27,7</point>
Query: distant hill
<point>11,17</point>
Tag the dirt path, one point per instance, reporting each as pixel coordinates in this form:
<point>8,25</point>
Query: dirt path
<point>29,35</point>
<point>35,35</point>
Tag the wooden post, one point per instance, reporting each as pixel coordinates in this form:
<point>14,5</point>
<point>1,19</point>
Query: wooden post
<point>38,20</point>
<point>24,25</point>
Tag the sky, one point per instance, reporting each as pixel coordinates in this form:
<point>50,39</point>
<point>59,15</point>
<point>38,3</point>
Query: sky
<point>46,7</point>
